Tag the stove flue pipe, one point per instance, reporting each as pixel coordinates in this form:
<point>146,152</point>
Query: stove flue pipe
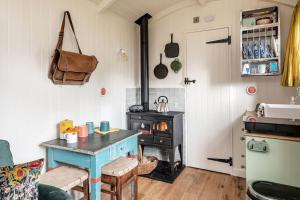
<point>144,44</point>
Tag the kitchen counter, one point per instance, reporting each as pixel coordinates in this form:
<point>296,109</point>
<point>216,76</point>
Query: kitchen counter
<point>276,128</point>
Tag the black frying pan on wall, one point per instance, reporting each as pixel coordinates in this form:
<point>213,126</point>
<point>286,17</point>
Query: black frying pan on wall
<point>161,71</point>
<point>172,49</point>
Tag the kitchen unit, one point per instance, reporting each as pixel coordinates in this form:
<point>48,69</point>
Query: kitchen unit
<point>276,161</point>
<point>272,150</point>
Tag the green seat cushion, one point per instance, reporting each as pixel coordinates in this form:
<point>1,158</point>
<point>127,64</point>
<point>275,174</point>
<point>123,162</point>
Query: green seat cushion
<point>47,192</point>
<point>6,158</point>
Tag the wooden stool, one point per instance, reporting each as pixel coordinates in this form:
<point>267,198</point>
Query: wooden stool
<point>67,178</point>
<point>118,173</point>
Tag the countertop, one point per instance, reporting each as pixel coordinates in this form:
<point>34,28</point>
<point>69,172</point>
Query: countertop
<point>273,136</point>
<point>252,117</point>
<point>272,128</point>
<point>93,143</point>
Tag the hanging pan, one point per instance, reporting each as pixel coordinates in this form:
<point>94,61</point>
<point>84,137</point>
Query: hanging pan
<point>176,65</point>
<point>161,70</point>
<point>172,49</point>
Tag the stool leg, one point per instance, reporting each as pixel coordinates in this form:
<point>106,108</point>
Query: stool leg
<point>112,196</point>
<point>86,191</point>
<point>135,187</point>
<point>119,190</point>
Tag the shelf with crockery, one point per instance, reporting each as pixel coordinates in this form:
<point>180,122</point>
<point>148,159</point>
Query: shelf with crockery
<point>260,42</point>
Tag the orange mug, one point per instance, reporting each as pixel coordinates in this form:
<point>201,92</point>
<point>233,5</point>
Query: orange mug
<point>83,131</point>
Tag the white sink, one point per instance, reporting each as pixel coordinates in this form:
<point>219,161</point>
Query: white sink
<point>287,111</point>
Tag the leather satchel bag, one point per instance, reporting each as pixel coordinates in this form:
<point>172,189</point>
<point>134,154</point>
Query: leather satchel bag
<point>69,68</point>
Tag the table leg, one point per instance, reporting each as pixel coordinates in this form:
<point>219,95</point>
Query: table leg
<point>134,151</point>
<point>95,176</point>
<point>50,159</point>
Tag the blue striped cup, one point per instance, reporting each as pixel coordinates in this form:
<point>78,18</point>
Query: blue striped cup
<point>90,126</point>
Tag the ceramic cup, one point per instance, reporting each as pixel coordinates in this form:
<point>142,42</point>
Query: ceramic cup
<point>90,126</point>
<point>262,68</point>
<point>83,131</point>
<point>246,69</point>
<point>71,138</point>
<point>104,126</point>
<point>273,67</point>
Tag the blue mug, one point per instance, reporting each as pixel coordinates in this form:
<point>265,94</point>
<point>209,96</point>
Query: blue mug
<point>90,126</point>
<point>104,126</point>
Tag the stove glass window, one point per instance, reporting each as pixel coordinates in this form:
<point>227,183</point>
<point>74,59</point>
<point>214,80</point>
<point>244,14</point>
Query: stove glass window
<point>144,126</point>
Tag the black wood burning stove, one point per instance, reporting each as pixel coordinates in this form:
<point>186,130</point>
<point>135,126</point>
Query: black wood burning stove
<point>164,131</point>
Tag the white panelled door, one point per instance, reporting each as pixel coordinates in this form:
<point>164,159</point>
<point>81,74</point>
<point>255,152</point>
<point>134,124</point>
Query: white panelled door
<point>209,132</point>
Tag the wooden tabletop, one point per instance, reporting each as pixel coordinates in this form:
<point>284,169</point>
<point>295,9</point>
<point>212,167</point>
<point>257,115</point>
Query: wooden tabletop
<point>273,136</point>
<point>93,143</point>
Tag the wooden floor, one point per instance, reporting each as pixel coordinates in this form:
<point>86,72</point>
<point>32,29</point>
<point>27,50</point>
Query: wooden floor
<point>191,184</point>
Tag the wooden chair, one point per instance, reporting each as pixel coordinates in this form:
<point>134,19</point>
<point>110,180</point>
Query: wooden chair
<point>68,178</point>
<point>118,173</point>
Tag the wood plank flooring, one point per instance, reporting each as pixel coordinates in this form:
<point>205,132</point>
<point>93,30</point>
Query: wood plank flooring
<point>192,184</point>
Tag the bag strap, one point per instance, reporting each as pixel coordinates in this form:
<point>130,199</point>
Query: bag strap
<point>62,32</point>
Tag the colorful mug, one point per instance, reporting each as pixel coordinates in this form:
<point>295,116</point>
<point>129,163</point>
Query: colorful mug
<point>83,131</point>
<point>90,126</point>
<point>71,137</point>
<point>104,126</point>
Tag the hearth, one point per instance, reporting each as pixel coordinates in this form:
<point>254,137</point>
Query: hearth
<point>164,131</point>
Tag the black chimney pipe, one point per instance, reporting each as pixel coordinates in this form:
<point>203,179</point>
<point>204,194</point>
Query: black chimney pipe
<point>143,23</point>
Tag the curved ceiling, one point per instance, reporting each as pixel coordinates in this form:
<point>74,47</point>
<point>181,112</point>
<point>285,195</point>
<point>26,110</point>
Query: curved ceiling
<point>133,9</point>
<point>136,8</point>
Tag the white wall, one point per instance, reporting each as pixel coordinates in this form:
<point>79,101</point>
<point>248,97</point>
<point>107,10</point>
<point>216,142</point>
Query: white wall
<point>227,13</point>
<point>31,105</point>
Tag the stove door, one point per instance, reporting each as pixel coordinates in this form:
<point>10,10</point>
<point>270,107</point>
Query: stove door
<point>163,127</point>
<point>144,126</point>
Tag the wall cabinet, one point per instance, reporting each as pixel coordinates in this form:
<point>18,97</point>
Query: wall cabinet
<point>260,42</point>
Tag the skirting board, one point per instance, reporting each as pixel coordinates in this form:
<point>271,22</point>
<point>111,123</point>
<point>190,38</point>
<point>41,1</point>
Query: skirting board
<point>239,172</point>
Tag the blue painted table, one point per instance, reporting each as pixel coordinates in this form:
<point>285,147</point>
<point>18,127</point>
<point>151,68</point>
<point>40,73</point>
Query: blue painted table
<point>92,153</point>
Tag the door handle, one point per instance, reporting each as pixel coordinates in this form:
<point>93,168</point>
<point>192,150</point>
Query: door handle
<point>187,81</point>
